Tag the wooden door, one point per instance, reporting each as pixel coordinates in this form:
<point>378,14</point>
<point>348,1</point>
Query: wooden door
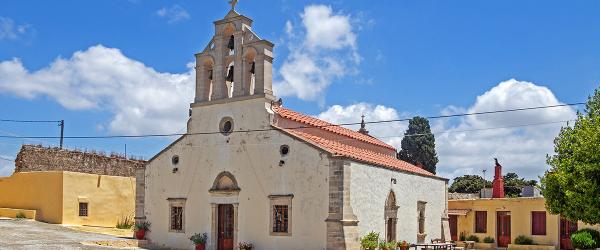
<point>453,221</point>
<point>567,227</point>
<point>225,227</point>
<point>503,228</point>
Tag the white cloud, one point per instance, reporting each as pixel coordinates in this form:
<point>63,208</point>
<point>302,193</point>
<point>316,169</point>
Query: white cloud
<point>7,165</point>
<point>468,150</point>
<point>11,31</point>
<point>323,49</point>
<point>141,99</point>
<point>173,14</point>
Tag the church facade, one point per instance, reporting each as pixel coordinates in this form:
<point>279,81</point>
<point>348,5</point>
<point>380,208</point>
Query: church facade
<point>250,170</point>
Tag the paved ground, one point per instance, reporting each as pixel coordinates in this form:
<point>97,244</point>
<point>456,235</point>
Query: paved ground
<point>28,234</point>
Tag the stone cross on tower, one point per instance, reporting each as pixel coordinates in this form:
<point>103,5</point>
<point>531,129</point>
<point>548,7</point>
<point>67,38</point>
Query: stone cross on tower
<point>236,62</point>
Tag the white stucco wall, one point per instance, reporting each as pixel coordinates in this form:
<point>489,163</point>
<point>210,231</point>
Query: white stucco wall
<point>369,190</point>
<point>253,158</point>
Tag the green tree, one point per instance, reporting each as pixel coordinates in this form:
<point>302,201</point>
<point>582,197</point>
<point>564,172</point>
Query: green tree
<point>468,184</point>
<point>513,184</point>
<point>418,144</point>
<point>572,185</point>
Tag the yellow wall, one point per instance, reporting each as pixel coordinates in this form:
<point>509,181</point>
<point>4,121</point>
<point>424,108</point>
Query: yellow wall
<point>40,191</point>
<point>520,210</point>
<point>109,198</point>
<point>55,196</point>
<point>13,213</point>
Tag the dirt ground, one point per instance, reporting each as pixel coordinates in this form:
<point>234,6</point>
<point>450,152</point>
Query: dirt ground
<point>29,234</point>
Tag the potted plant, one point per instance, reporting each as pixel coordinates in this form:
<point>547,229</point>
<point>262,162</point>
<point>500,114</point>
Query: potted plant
<point>199,240</point>
<point>403,245</point>
<point>244,245</point>
<point>383,245</point>
<point>370,241</point>
<point>141,228</point>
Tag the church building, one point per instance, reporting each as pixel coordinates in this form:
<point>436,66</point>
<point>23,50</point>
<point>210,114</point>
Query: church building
<point>251,170</point>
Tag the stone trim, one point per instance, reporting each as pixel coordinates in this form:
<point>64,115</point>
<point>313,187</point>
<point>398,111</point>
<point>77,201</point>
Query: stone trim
<point>140,194</point>
<point>177,202</point>
<point>342,223</point>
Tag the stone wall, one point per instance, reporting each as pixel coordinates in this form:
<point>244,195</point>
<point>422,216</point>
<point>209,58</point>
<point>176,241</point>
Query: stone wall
<point>33,158</point>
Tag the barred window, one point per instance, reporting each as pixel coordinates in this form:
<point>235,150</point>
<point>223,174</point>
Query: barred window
<point>83,209</point>
<point>281,215</point>
<point>176,218</point>
<point>280,219</point>
<point>177,215</point>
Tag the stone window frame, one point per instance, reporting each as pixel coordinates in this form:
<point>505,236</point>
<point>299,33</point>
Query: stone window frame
<point>177,202</point>
<point>222,126</point>
<point>278,200</point>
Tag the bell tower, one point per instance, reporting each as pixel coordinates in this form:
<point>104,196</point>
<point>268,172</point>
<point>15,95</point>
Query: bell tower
<point>236,62</point>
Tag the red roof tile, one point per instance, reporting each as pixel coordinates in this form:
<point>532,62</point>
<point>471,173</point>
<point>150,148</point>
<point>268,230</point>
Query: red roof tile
<point>311,121</point>
<point>358,154</point>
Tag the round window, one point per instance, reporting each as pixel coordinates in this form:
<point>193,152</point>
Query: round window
<point>226,125</point>
<point>284,150</point>
<point>175,160</point>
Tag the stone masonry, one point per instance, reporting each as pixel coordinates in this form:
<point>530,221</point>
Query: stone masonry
<point>38,158</point>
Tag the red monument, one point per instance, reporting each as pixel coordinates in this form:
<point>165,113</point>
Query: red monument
<point>498,183</point>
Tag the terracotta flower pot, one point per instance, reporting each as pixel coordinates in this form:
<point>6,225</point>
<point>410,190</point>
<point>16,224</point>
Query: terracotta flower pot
<point>139,234</point>
<point>403,247</point>
<point>200,246</point>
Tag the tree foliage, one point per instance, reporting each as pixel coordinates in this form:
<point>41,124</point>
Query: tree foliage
<point>513,184</point>
<point>572,186</point>
<point>468,184</point>
<point>418,145</point>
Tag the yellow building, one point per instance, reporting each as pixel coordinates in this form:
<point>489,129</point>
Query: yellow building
<point>69,187</point>
<point>503,219</point>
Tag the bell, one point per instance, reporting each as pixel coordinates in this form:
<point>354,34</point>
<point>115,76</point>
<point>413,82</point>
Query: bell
<point>231,43</point>
<point>252,67</point>
<point>230,74</point>
<point>210,73</point>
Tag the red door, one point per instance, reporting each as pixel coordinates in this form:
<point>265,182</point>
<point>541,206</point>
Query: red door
<point>453,221</point>
<point>567,227</point>
<point>225,227</point>
<point>503,228</point>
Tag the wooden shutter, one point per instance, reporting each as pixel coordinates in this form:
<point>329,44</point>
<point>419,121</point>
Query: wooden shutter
<point>480,221</point>
<point>538,223</point>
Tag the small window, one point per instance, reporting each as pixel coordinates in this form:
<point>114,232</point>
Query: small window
<point>281,215</point>
<point>226,126</point>
<point>538,223</point>
<point>284,150</point>
<point>480,221</point>
<point>177,216</point>
<point>175,160</point>
<point>83,209</point>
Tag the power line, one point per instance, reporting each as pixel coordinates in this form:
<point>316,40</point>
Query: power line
<point>297,127</point>
<point>28,121</point>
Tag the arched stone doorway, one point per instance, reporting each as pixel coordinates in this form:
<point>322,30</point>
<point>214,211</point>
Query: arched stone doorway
<point>224,204</point>
<point>391,216</point>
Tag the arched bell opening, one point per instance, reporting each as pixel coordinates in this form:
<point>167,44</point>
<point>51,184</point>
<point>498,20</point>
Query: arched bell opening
<point>229,38</point>
<point>207,82</point>
<point>249,73</point>
<point>391,217</point>
<point>229,78</point>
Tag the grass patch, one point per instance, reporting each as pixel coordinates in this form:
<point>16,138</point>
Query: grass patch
<point>125,223</point>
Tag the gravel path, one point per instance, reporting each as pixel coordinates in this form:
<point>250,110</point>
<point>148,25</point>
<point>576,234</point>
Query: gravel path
<point>29,234</point>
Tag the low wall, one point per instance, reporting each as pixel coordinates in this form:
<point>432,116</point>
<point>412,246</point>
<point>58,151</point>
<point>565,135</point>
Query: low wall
<point>530,247</point>
<point>39,191</point>
<point>13,212</point>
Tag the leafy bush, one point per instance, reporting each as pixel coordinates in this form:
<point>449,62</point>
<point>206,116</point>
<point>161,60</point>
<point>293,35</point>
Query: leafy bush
<point>246,245</point>
<point>488,239</point>
<point>462,236</point>
<point>473,238</point>
<point>144,225</point>
<point>20,215</point>
<point>125,223</point>
<point>523,240</point>
<point>387,245</point>
<point>200,239</point>
<point>370,241</point>
<point>586,239</point>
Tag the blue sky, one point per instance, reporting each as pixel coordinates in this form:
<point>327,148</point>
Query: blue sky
<point>384,59</point>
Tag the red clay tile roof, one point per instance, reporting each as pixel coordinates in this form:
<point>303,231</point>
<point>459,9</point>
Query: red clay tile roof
<point>358,154</point>
<point>311,121</point>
